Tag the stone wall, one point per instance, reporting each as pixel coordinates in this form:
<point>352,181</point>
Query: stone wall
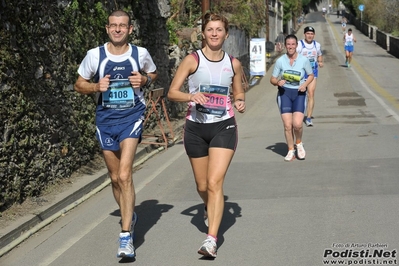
<point>46,128</point>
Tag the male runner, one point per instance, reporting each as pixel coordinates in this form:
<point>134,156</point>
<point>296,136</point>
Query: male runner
<point>311,49</point>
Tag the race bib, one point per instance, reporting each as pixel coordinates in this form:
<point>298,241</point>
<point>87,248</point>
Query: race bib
<point>119,95</point>
<point>217,104</point>
<point>349,43</point>
<point>312,63</point>
<point>292,77</point>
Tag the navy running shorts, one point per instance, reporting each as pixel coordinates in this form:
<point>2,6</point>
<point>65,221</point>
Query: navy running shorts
<point>111,136</point>
<point>291,100</point>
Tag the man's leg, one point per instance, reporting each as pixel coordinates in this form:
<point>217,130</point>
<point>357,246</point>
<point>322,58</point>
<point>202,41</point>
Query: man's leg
<point>310,103</point>
<point>127,194</point>
<point>119,164</point>
<point>112,159</point>
<point>350,57</point>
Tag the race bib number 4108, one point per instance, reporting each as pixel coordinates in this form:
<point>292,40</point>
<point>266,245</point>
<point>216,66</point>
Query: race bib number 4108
<point>119,95</point>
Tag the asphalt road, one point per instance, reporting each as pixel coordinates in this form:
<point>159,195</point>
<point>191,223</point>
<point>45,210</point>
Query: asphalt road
<point>337,205</point>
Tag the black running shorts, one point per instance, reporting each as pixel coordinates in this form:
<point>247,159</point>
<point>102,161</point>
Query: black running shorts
<point>199,137</point>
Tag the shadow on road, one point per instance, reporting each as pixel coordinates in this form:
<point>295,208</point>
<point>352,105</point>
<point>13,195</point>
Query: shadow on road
<point>279,148</point>
<point>231,211</point>
<point>149,212</point>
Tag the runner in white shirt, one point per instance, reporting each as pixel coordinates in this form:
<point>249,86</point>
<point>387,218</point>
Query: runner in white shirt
<point>117,72</point>
<point>324,11</point>
<point>210,131</point>
<point>343,24</point>
<point>311,49</point>
<point>349,40</point>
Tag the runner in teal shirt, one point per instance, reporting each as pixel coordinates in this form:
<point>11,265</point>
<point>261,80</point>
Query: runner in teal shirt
<point>289,76</point>
<point>294,75</point>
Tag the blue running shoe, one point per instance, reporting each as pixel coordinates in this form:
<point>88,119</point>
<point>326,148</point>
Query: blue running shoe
<point>126,248</point>
<point>308,122</point>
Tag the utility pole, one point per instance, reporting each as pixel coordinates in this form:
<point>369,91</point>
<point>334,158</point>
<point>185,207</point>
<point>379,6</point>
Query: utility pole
<point>205,6</point>
<point>267,20</point>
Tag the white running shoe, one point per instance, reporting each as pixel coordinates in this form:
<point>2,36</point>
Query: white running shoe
<point>126,248</point>
<point>300,151</point>
<point>208,248</point>
<point>290,156</point>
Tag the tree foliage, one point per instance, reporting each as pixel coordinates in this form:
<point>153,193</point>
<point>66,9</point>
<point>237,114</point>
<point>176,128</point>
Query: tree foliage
<point>247,15</point>
<point>382,13</point>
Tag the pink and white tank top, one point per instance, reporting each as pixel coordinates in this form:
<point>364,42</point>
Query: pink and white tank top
<point>214,79</point>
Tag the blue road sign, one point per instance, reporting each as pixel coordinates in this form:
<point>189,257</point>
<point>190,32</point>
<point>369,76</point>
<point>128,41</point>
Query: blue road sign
<point>361,8</point>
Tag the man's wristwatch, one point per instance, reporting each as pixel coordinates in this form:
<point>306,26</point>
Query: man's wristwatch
<point>149,80</point>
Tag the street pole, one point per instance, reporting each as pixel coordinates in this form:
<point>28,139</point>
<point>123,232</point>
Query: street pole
<point>204,8</point>
<point>267,20</point>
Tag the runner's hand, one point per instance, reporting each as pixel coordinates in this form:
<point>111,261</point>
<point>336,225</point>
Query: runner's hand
<point>103,84</point>
<point>199,98</point>
<point>135,79</point>
<point>281,82</point>
<point>240,106</point>
<point>302,88</point>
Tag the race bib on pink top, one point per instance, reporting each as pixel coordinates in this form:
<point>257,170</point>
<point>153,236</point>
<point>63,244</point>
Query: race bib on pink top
<point>217,104</point>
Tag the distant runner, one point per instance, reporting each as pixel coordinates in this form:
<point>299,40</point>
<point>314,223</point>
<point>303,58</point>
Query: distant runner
<point>349,40</point>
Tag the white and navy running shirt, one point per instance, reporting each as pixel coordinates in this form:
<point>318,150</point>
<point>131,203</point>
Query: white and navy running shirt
<point>213,78</point>
<point>99,62</point>
<point>311,51</point>
<point>348,39</point>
